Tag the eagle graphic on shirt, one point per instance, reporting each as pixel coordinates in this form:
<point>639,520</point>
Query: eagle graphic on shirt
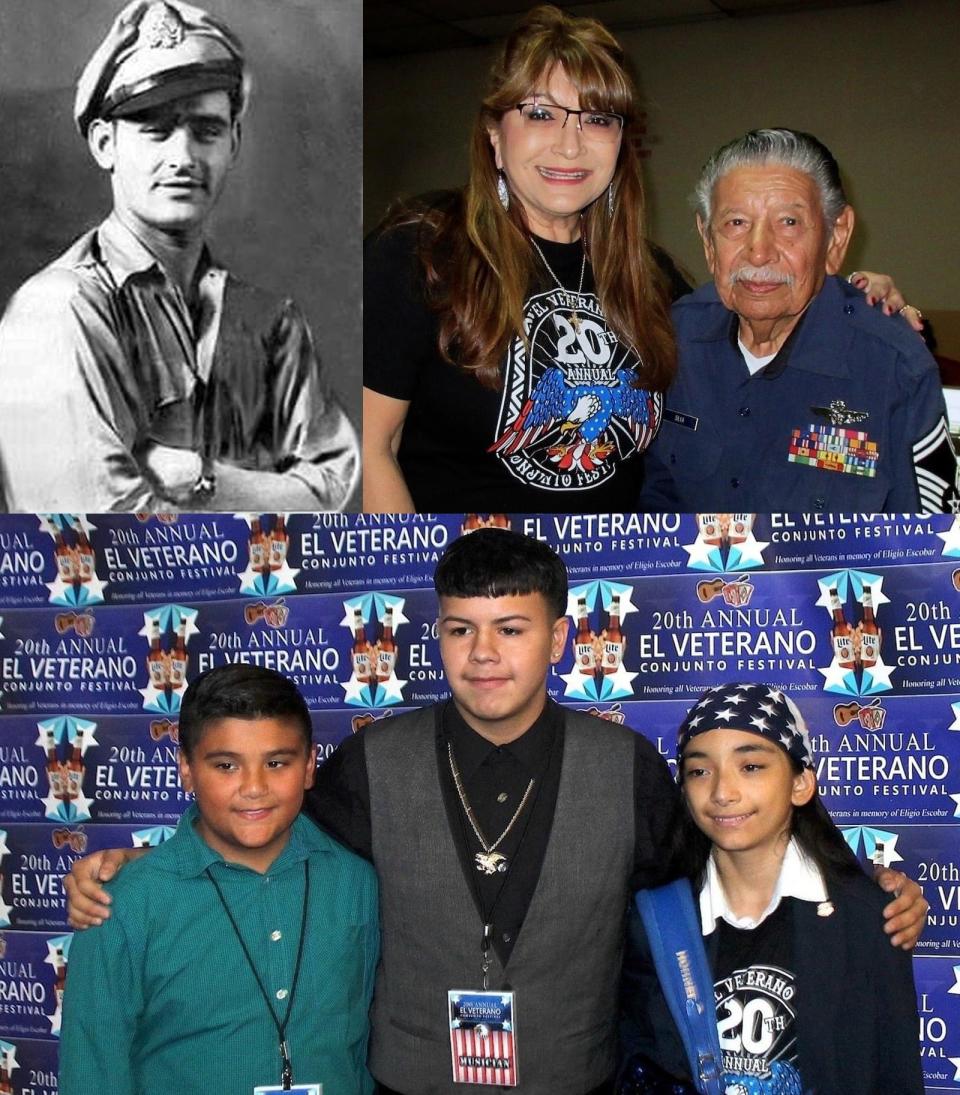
<point>571,411</point>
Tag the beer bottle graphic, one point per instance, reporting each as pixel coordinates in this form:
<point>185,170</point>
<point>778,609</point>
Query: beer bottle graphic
<point>613,644</point>
<point>583,649</point>
<point>54,769</point>
<point>257,546</point>
<point>157,659</point>
<point>67,566</point>
<point>86,560</point>
<point>841,633</point>
<point>360,652</point>
<point>710,529</point>
<point>60,969</point>
<point>74,769</point>
<point>279,543</point>
<point>471,522</point>
<point>869,632</point>
<point>179,657</point>
<point>387,653</point>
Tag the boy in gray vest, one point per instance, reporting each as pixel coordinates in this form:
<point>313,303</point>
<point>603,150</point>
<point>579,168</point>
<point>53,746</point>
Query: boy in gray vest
<point>508,833</point>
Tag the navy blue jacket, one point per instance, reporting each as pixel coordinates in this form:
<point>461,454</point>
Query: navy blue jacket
<point>857,1026</point>
<point>725,435</point>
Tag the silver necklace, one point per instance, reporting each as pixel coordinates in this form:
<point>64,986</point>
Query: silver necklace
<point>489,861</point>
<point>574,316</point>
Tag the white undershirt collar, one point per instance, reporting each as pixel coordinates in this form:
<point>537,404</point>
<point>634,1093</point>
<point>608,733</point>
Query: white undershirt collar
<point>799,877</point>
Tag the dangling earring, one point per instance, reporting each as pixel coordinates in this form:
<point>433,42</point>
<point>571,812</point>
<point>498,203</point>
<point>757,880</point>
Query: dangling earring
<point>502,192</point>
<point>610,198</point>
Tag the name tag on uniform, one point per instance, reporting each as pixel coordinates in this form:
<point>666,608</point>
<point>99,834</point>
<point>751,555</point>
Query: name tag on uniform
<point>483,1037</point>
<point>297,1089</point>
<point>678,418</point>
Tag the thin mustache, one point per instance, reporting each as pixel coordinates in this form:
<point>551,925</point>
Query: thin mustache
<point>760,273</point>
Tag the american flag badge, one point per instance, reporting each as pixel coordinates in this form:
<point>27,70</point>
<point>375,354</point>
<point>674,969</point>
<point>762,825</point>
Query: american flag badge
<point>483,1044</point>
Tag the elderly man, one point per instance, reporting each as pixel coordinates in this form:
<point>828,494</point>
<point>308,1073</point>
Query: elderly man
<point>793,393</point>
<point>165,381</point>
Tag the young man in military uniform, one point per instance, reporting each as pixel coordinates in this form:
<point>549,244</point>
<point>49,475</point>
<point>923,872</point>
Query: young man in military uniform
<point>170,383</point>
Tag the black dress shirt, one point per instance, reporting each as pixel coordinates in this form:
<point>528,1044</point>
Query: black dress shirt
<point>494,780</point>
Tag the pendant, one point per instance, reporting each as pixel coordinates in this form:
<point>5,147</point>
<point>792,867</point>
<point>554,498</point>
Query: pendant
<point>575,321</point>
<point>491,862</point>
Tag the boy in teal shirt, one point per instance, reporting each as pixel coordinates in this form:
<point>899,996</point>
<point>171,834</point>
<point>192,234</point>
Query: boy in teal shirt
<point>241,953</point>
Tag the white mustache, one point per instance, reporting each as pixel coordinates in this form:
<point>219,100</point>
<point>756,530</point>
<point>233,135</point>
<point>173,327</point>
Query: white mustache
<point>760,273</point>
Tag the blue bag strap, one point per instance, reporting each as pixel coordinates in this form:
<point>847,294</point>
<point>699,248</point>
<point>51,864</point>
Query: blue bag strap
<point>676,942</point>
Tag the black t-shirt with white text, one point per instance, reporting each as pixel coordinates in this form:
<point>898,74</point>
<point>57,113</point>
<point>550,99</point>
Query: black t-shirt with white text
<point>755,991</point>
<point>565,431</point>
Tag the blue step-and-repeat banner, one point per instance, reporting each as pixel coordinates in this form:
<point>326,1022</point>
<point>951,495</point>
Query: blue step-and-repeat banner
<point>105,619</point>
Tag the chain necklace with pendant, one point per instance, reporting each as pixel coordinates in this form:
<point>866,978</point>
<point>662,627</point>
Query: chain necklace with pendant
<point>574,315</point>
<point>489,861</point>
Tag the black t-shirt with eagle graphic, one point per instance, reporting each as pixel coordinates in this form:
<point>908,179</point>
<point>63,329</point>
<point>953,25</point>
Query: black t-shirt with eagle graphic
<point>566,431</point>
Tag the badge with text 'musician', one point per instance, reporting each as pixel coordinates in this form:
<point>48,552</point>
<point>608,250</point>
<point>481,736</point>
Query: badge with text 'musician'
<point>483,1043</point>
<point>834,448</point>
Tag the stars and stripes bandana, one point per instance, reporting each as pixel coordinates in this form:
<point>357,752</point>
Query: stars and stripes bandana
<point>757,709</point>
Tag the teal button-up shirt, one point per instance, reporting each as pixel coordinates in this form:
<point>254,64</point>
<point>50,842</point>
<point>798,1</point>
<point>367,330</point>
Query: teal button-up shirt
<point>161,999</point>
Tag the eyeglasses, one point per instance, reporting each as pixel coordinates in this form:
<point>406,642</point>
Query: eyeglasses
<point>593,124</point>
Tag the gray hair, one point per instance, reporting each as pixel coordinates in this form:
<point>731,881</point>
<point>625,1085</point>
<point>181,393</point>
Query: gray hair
<point>787,147</point>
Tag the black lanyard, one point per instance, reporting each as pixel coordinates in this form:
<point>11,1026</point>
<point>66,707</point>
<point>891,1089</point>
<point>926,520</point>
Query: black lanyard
<point>286,1070</point>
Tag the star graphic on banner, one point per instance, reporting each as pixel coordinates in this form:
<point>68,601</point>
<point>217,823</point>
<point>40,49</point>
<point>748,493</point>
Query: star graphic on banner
<point>588,592</point>
<point>879,674</point>
<point>700,553</point>
<point>576,684</point>
<point>832,581</point>
<point>610,589</point>
<point>956,799</point>
<point>248,579</point>
<point>834,679</point>
<point>955,725</point>
<point>5,910</point>
<point>355,692</point>
<point>861,578</point>
<point>349,609</point>
<point>890,854</point>
<point>751,553</point>
<point>8,1054</point>
<point>396,604</point>
<point>392,690</point>
<point>954,989</point>
<point>4,850</point>
<point>81,804</point>
<point>51,807</point>
<point>55,1022</point>
<point>615,685</point>
<point>951,539</point>
<point>955,1061</point>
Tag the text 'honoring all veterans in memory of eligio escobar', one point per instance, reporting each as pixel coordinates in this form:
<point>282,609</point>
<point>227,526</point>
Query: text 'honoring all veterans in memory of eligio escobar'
<point>105,619</point>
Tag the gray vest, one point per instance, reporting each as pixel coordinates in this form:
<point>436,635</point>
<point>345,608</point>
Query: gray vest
<point>565,965</point>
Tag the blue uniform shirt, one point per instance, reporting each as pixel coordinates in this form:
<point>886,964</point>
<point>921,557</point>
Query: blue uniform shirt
<point>735,442</point>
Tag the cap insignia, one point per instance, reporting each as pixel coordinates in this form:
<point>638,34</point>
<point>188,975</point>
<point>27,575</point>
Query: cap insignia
<point>161,27</point>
